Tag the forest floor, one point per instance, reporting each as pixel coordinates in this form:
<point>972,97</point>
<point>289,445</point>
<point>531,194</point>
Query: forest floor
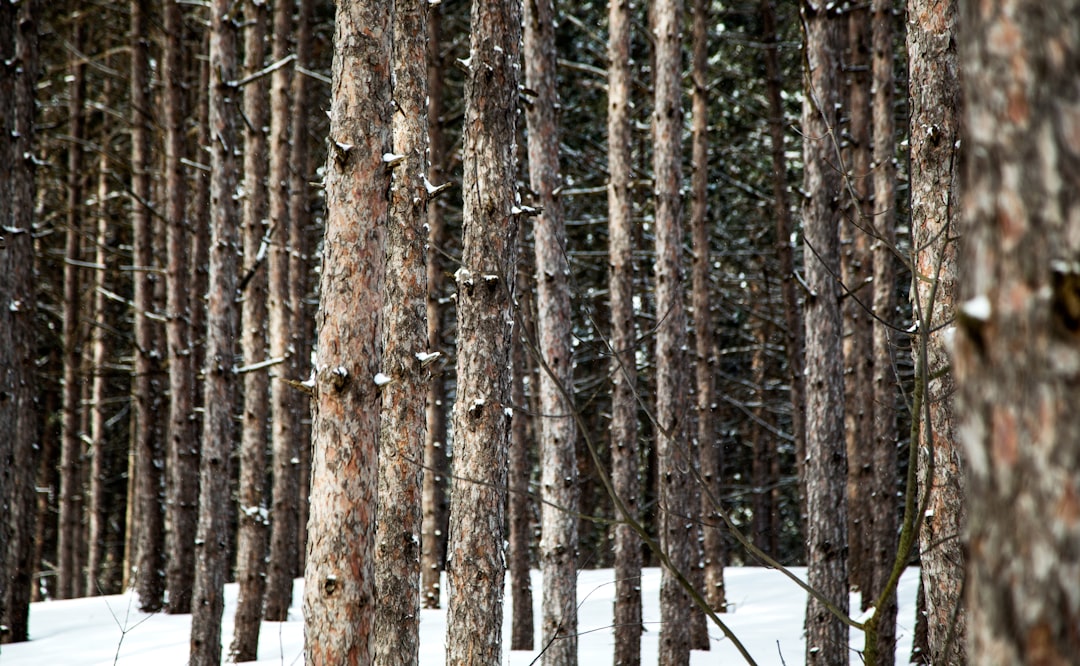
<point>766,614</point>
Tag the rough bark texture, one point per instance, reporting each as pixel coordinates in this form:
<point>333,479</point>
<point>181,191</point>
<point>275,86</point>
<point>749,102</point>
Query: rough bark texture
<point>884,509</point>
<point>624,432</point>
<point>520,501</point>
<point>339,590</point>
<point>710,447</point>
<point>485,283</point>
<point>219,386</point>
<point>678,532</point>
<point>434,522</point>
<point>251,519</point>
<point>18,78</point>
<point>147,529</point>
<point>284,443</point>
<point>558,460</point>
<point>857,266</point>
<point>403,420</point>
<point>826,461</point>
<point>181,489</point>
<point>299,273</point>
<point>934,90</point>
<point>1018,345</point>
<point>71,497</point>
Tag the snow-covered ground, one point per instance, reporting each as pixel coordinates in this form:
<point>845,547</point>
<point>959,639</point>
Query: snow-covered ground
<point>766,615</point>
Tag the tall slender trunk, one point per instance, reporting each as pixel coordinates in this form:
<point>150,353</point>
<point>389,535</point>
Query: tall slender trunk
<point>147,529</point>
<point>339,590</point>
<point>934,90</point>
<point>211,542</point>
<point>181,488</point>
<point>71,440</point>
<point>520,501</point>
<point>403,418</point>
<point>434,528</point>
<point>826,460</point>
<point>558,463</point>
<point>884,509</point>
<point>251,519</point>
<point>284,442</point>
<point>485,282</point>
<point>625,455</point>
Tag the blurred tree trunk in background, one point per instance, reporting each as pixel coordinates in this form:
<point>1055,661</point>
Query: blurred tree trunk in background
<point>520,504</point>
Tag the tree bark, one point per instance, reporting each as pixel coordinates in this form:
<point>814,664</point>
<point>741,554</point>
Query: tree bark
<point>251,519</point>
<point>403,418</point>
<point>558,461</point>
<point>435,514</point>
<point>147,529</point>
<point>625,456</point>
<point>339,590</point>
<point>678,533</point>
<point>1017,354</point>
<point>520,504</point>
<point>71,492</point>
<point>285,444</point>
<point>485,283</point>
<point>934,90</point>
<point>18,418</point>
<point>826,460</point>
<point>182,489</point>
<point>211,542</point>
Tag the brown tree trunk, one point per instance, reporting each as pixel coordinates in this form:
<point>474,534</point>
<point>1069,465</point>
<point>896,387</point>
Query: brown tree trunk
<point>793,321</point>
<point>181,489</point>
<point>71,440</point>
<point>625,456</point>
<point>147,529</point>
<point>405,355</point>
<point>251,519</point>
<point>826,460</point>
<point>558,463</point>
<point>211,542</point>
<point>520,504</point>
<point>678,534</point>
<point>857,265</point>
<point>711,455</point>
<point>18,416</point>
<point>434,527</point>
<point>934,90</point>
<point>883,525</point>
<point>485,283</point>
<point>339,589</point>
<point>1017,354</point>
<point>283,434</point>
<point>299,273</point>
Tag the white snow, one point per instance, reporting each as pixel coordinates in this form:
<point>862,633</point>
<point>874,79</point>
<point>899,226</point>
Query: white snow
<point>766,615</point>
<point>977,308</point>
<point>427,357</point>
<point>381,379</point>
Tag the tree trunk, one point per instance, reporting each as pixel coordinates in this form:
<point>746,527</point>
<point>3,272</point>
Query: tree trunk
<point>625,456</point>
<point>71,440</point>
<point>299,273</point>
<point>285,444</point>
<point>182,489</point>
<point>678,533</point>
<point>339,590</point>
<point>18,414</point>
<point>211,541</point>
<point>826,460</point>
<point>147,529</point>
<point>403,419</point>
<point>558,462</point>
<point>520,539</point>
<point>711,454</point>
<point>434,527</point>
<point>251,519</point>
<point>485,283</point>
<point>884,508</point>
<point>934,90</point>
<point>1017,359</point>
